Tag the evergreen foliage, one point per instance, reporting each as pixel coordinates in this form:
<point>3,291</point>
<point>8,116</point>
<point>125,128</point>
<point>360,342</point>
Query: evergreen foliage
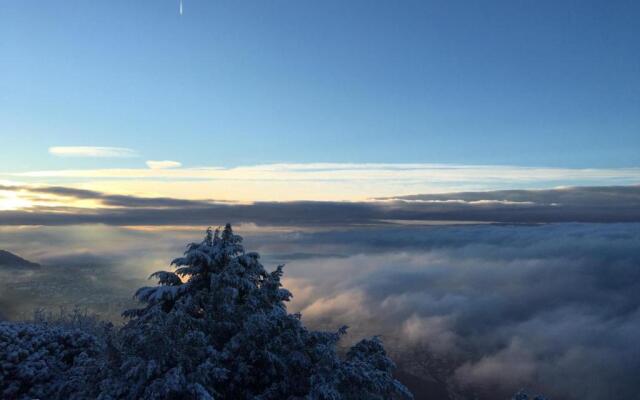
<point>46,362</point>
<point>215,328</point>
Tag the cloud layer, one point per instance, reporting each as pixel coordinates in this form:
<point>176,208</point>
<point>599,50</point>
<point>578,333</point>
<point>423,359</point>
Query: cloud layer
<point>492,308</point>
<point>554,307</point>
<point>324,182</point>
<point>577,204</point>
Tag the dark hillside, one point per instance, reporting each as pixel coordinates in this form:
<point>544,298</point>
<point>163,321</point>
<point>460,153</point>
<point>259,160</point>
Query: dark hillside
<point>11,260</point>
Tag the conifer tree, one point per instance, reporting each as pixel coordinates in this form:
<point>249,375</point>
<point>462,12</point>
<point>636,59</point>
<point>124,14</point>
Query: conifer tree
<point>217,328</point>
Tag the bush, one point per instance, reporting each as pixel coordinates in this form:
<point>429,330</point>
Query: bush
<point>39,361</point>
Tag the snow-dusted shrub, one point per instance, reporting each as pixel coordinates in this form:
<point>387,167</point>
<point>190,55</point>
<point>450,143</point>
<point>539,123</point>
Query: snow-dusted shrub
<point>523,395</point>
<point>43,362</point>
<point>218,328</point>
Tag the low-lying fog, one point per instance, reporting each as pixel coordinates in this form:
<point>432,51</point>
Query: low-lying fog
<point>487,308</point>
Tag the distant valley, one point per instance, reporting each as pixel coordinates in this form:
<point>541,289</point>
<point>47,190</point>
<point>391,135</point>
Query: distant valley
<point>26,286</point>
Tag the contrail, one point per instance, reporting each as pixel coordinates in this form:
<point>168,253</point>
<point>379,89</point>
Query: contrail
<point>180,7</point>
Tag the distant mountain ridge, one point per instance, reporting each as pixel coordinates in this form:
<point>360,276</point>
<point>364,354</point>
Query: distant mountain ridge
<point>8,259</point>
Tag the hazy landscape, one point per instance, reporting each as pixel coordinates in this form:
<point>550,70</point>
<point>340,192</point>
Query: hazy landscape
<point>499,306</point>
<point>329,200</point>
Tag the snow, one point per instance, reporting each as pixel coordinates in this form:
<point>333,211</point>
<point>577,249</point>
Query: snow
<point>215,328</point>
<point>39,361</point>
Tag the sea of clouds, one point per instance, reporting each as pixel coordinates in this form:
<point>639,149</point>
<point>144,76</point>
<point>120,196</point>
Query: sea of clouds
<point>552,307</point>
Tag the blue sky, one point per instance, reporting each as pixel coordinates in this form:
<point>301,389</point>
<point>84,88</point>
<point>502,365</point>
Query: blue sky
<point>528,83</point>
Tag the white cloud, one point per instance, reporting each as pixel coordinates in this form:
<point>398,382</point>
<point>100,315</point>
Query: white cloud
<point>375,173</point>
<point>436,331</point>
<point>510,367</point>
<point>163,164</point>
<point>92,151</point>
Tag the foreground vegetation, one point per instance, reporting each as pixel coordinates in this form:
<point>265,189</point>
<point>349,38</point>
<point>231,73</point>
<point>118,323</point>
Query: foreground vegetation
<point>215,328</point>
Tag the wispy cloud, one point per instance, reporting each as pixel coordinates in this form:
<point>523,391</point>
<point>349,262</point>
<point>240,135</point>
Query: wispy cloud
<point>165,164</point>
<point>92,151</point>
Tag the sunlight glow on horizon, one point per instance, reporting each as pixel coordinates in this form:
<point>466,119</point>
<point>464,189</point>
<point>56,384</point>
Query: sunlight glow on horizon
<point>10,201</point>
<point>320,181</point>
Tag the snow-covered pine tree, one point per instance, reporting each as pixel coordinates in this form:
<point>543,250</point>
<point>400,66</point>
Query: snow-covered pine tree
<point>217,328</point>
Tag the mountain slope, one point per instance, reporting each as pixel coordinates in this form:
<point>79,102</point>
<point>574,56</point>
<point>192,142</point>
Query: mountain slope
<point>11,260</point>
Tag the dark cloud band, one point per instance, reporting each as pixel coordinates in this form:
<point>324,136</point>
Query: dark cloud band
<point>578,204</point>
